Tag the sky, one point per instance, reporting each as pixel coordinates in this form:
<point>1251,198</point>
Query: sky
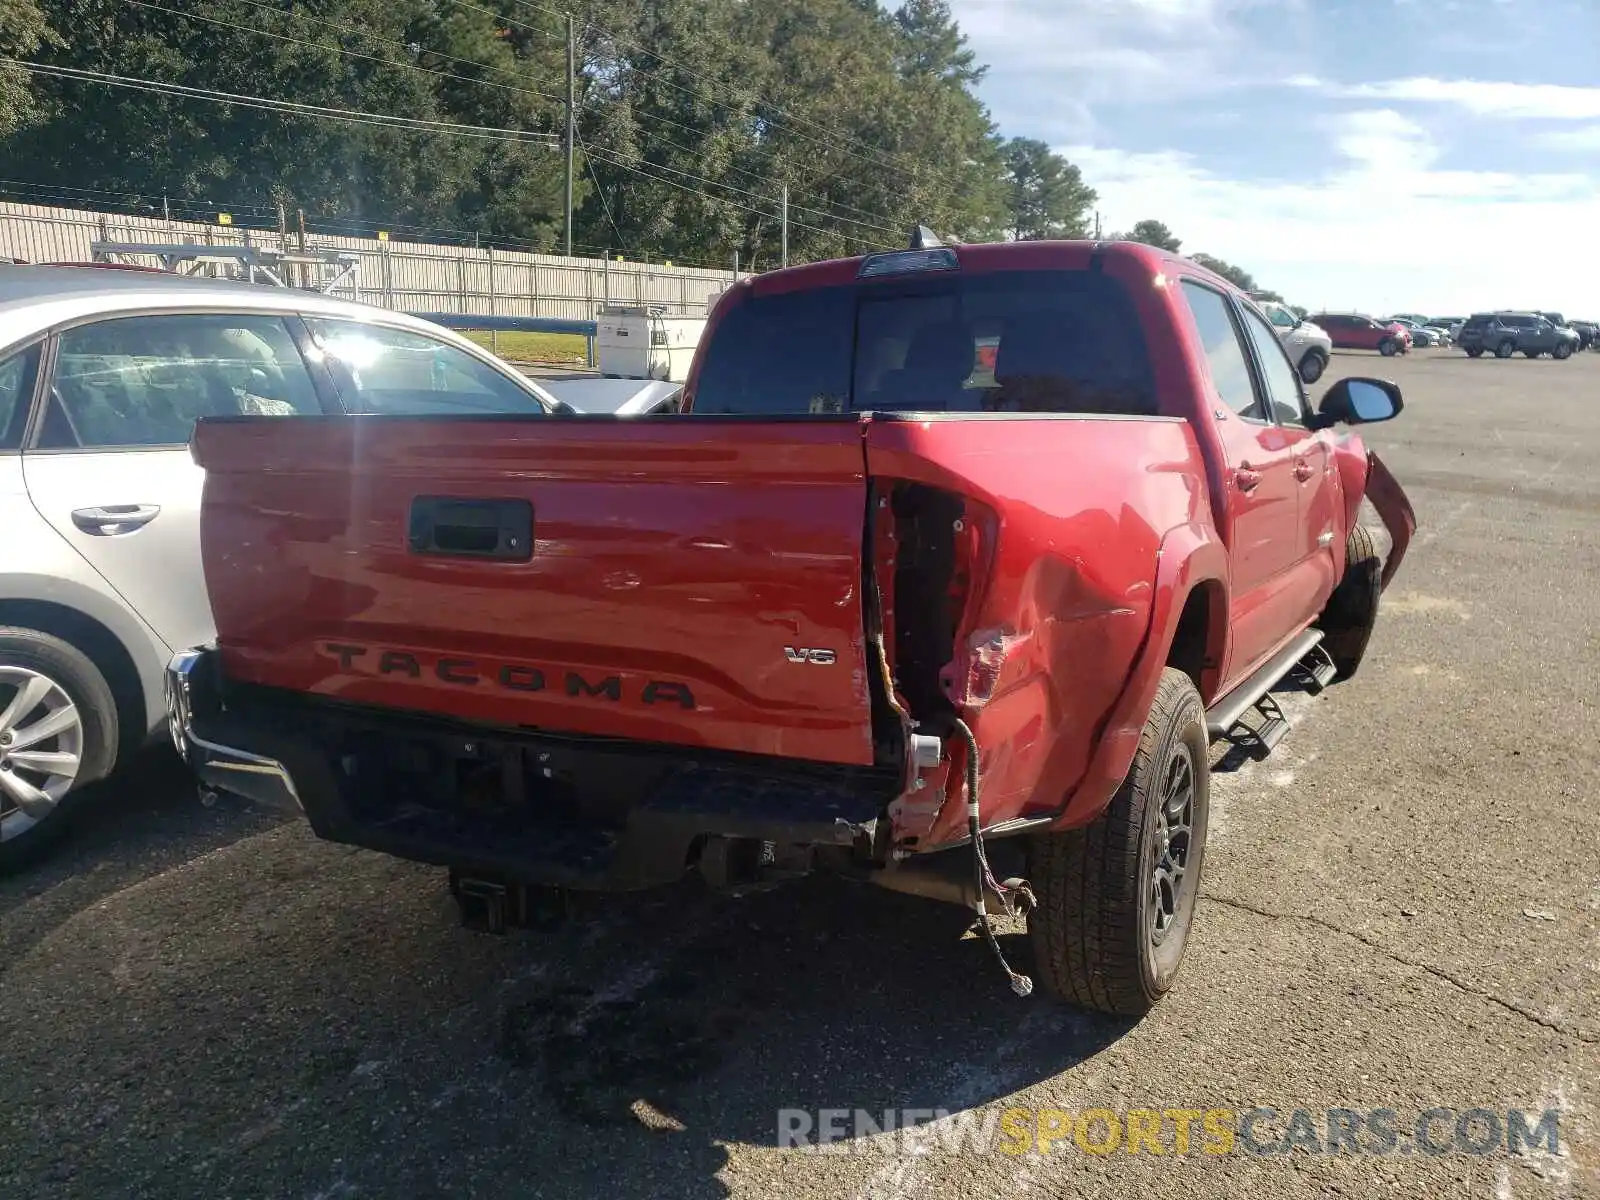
<point>1431,156</point>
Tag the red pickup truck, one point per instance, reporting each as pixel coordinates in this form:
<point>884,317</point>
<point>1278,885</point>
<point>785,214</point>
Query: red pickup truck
<point>870,606</point>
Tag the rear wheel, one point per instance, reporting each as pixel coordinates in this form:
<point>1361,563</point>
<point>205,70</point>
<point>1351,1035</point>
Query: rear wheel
<point>1117,898</point>
<point>1352,612</point>
<point>1562,350</point>
<point>1505,349</point>
<point>1313,365</point>
<point>58,731</point>
<point>1388,347</point>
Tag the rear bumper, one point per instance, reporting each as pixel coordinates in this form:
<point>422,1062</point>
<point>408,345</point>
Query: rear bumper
<point>518,805</point>
<point>192,686</point>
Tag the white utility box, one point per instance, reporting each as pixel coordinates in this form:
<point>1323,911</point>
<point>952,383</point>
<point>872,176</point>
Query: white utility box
<point>645,343</point>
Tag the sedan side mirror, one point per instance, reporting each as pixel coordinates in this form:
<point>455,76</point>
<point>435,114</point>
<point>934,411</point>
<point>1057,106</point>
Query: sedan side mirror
<point>1359,401</point>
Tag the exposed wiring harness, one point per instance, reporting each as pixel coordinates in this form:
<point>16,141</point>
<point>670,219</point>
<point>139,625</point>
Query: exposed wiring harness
<point>1014,894</point>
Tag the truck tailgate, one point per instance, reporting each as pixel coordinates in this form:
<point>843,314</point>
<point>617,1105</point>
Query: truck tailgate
<point>686,582</point>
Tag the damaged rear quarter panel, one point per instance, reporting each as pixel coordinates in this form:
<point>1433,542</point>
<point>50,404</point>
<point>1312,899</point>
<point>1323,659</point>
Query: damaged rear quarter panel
<point>1082,504</point>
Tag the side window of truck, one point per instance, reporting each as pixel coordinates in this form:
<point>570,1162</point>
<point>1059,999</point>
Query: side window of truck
<point>1282,382</point>
<point>1225,352</point>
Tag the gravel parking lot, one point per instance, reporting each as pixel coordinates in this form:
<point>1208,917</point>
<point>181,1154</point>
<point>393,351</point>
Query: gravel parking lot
<point>1401,910</point>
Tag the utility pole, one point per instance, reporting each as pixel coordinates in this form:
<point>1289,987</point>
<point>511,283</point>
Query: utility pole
<point>572,124</point>
<point>783,260</point>
<point>1097,224</point>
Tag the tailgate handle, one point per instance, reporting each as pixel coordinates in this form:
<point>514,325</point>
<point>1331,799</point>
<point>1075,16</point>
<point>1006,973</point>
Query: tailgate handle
<point>467,528</point>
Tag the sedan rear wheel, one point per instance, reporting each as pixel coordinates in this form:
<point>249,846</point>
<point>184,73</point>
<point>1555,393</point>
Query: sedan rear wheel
<point>58,731</point>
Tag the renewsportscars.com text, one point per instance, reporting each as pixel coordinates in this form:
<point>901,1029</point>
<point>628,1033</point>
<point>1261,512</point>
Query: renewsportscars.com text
<point>1263,1132</point>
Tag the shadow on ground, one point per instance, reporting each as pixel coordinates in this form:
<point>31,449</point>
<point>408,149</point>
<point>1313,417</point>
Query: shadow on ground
<point>291,1011</point>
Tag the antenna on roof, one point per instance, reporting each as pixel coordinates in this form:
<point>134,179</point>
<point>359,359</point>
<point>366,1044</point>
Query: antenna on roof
<point>923,238</point>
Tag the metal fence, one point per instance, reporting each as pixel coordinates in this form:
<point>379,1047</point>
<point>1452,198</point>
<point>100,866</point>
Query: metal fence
<point>409,276</point>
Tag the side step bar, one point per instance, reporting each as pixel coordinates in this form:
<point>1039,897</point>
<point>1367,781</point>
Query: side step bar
<point>1304,653</point>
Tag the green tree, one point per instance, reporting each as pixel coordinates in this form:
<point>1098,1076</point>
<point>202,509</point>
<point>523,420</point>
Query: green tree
<point>381,56</point>
<point>692,116</point>
<point>23,30</point>
<point>1237,276</point>
<point>1046,194</point>
<point>1153,233</point>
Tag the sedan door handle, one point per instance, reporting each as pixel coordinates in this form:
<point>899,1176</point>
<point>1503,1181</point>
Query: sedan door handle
<point>113,519</point>
<point>1246,479</point>
<point>1302,470</point>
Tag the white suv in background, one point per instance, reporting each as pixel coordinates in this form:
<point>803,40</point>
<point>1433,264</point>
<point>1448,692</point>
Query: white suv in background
<point>103,373</point>
<point>1309,347</point>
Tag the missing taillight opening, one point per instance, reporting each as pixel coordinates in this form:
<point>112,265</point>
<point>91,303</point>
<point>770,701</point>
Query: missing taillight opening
<point>937,543</point>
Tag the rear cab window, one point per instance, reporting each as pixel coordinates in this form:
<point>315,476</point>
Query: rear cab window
<point>1046,341</point>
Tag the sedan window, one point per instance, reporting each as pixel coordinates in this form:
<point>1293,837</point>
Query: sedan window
<point>144,381</point>
<point>396,372</point>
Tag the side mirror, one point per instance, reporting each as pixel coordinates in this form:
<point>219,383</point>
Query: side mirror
<point>1359,401</point>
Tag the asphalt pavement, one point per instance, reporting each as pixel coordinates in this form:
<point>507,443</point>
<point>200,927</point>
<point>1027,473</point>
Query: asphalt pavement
<point>1401,911</point>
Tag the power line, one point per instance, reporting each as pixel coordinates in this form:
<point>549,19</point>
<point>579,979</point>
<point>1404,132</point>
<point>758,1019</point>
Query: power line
<point>873,156</point>
<point>819,212</point>
<point>343,50</point>
<point>637,170</point>
<point>870,159</point>
<point>268,104</point>
<point>598,189</point>
<point>759,196</point>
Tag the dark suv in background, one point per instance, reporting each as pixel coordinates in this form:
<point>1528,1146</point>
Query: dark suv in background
<point>1503,334</point>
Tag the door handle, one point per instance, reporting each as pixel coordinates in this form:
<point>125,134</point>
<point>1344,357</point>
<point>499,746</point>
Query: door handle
<point>113,519</point>
<point>1302,470</point>
<point>1246,479</point>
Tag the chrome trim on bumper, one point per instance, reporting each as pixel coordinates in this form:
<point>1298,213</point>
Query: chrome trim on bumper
<point>188,689</point>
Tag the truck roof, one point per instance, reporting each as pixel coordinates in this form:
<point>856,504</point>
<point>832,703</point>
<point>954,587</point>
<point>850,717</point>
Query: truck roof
<point>986,256</point>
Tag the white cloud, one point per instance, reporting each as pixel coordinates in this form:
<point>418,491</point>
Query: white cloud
<point>1054,60</point>
<point>1385,229</point>
<point>1480,97</point>
<point>1582,140</point>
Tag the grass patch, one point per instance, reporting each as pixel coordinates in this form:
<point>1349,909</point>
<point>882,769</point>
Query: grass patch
<point>533,347</point>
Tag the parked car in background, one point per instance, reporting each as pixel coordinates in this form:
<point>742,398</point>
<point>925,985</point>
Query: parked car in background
<point>1449,326</point>
<point>1355,331</point>
<point>1308,345</point>
<point>103,374</point>
<point>1588,334</point>
<point>1421,335</point>
<point>1504,334</point>
<point>1410,318</point>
